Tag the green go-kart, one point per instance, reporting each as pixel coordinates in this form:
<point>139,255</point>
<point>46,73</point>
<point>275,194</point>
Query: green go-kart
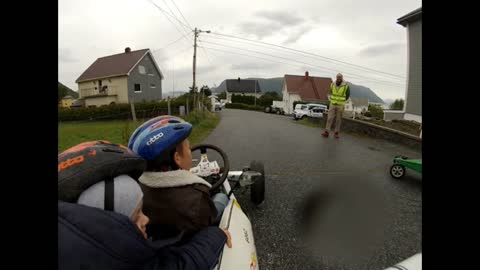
<point>400,163</point>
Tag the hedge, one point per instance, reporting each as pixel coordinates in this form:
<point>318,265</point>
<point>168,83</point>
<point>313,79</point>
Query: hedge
<point>243,107</point>
<point>264,101</point>
<point>123,111</point>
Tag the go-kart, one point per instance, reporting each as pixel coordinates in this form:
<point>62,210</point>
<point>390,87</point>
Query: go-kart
<point>400,163</point>
<point>243,253</point>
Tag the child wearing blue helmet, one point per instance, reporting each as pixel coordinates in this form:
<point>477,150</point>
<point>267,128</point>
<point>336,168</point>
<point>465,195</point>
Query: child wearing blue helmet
<point>175,199</point>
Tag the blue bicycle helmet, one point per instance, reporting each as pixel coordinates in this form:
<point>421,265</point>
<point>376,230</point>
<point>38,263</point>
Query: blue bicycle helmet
<point>157,136</point>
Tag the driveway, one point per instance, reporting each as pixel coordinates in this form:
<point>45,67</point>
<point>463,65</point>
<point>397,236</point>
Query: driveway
<point>330,204</point>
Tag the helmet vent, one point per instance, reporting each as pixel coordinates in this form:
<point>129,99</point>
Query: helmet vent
<point>178,127</point>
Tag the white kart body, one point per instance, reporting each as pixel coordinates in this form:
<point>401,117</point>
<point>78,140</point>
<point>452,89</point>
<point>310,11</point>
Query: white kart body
<point>412,263</point>
<point>243,254</point>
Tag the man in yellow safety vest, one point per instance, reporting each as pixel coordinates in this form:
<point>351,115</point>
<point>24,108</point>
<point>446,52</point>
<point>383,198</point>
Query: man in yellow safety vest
<point>339,93</point>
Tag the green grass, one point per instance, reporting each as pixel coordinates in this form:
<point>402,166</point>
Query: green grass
<point>308,123</point>
<point>118,131</point>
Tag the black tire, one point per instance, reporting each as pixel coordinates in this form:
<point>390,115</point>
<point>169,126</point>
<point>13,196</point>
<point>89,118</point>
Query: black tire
<point>268,109</point>
<point>304,116</point>
<point>257,189</point>
<point>397,171</point>
<point>278,112</point>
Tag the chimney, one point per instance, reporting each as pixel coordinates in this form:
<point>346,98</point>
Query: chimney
<point>306,75</point>
<point>127,50</point>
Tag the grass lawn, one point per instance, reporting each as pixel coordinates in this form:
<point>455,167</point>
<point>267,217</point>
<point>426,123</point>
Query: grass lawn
<point>118,131</point>
<point>309,123</point>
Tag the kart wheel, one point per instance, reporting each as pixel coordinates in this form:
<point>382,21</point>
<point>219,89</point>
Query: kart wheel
<point>304,116</point>
<point>257,189</point>
<point>268,109</point>
<point>397,171</point>
<point>278,112</point>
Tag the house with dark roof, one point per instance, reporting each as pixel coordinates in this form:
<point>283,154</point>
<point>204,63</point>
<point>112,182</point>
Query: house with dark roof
<point>242,87</point>
<point>412,109</point>
<point>121,78</point>
<point>304,88</point>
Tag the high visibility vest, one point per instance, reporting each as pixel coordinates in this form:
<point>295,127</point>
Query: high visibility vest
<point>339,94</point>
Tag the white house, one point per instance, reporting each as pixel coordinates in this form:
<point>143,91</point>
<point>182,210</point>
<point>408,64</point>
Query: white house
<point>304,88</point>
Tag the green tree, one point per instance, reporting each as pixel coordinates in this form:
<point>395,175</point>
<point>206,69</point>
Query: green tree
<point>222,95</point>
<point>206,90</point>
<point>397,104</point>
<point>376,111</point>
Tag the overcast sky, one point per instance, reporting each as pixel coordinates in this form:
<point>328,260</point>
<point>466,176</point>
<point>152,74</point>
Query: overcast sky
<point>363,33</point>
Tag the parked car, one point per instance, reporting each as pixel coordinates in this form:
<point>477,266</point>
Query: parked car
<point>309,110</point>
<point>218,106</point>
<point>276,107</point>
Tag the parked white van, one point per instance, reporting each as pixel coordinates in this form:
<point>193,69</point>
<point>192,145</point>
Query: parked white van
<point>309,110</point>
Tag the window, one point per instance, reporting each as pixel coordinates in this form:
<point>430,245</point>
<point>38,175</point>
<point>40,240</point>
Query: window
<point>152,85</point>
<point>141,69</point>
<point>137,87</point>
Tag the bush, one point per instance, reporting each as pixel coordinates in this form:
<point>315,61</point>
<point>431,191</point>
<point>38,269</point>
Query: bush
<point>243,107</point>
<point>243,99</point>
<point>147,109</point>
<point>376,111</point>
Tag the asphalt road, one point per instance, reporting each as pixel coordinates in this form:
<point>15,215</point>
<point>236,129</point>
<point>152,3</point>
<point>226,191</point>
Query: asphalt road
<point>330,204</point>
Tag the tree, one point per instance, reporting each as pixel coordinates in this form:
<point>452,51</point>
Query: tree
<point>206,90</point>
<point>376,111</point>
<point>222,95</point>
<point>397,104</point>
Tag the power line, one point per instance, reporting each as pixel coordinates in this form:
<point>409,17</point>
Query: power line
<point>191,28</point>
<point>270,48</point>
<point>178,52</point>
<point>205,52</point>
<point>270,60</point>
<point>173,42</point>
<point>173,14</point>
<point>312,54</point>
<point>301,62</point>
<point>167,14</point>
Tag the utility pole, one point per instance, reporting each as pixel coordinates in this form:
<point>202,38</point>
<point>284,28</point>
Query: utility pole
<point>195,36</point>
<point>194,64</point>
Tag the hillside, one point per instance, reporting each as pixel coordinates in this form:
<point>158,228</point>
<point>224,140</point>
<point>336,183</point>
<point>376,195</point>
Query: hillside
<point>69,92</point>
<point>275,84</point>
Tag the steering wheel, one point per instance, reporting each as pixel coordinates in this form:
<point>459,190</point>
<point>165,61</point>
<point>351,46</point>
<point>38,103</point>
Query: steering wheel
<point>211,170</point>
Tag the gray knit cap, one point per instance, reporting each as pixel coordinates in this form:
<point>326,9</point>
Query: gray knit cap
<point>126,196</point>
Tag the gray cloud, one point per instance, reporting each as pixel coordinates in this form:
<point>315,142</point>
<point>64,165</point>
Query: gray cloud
<point>252,65</point>
<point>188,70</point>
<point>260,30</point>
<point>65,56</point>
<point>381,49</point>
<point>280,17</point>
<point>297,35</point>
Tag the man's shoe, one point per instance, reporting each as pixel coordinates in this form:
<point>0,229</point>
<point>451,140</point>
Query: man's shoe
<point>336,135</point>
<point>325,134</point>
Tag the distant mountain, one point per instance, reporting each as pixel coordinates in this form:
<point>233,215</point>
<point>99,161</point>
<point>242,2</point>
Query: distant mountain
<point>266,85</point>
<point>389,101</point>
<point>70,92</point>
<point>275,84</point>
<point>359,91</point>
